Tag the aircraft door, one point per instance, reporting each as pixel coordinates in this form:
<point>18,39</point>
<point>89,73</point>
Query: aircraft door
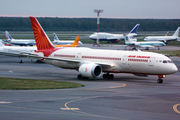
<point>124,60</point>
<point>151,61</point>
<point>78,56</point>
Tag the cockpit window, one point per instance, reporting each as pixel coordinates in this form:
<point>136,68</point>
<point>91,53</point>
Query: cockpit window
<point>164,61</point>
<point>167,61</point>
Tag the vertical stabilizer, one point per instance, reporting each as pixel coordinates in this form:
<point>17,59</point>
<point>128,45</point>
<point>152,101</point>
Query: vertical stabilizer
<point>42,40</point>
<point>55,37</point>
<point>134,30</point>
<point>176,33</point>
<point>167,34</point>
<point>76,42</point>
<point>8,36</point>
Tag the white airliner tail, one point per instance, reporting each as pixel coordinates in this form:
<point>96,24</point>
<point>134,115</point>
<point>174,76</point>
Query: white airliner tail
<point>131,36</point>
<point>55,37</point>
<point>8,36</point>
<point>176,33</point>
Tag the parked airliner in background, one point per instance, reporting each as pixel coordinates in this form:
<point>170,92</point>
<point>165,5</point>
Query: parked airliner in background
<point>63,42</point>
<point>130,40</point>
<point>20,51</point>
<point>92,62</point>
<point>21,42</point>
<point>16,51</point>
<point>165,38</point>
<point>102,36</point>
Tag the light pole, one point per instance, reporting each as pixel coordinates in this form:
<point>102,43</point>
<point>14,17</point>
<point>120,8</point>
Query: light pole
<point>98,22</point>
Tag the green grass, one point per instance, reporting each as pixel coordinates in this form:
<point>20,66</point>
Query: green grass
<point>170,53</point>
<point>27,84</point>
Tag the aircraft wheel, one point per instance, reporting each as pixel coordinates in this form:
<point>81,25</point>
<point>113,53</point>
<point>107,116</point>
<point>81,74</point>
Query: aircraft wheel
<point>159,80</point>
<point>21,61</point>
<point>105,76</point>
<point>108,76</point>
<point>111,76</point>
<point>79,77</point>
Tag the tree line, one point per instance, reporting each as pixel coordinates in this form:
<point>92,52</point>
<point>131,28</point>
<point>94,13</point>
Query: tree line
<point>88,24</point>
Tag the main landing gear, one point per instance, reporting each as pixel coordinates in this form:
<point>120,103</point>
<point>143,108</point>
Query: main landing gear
<point>108,76</point>
<point>81,77</point>
<point>160,80</point>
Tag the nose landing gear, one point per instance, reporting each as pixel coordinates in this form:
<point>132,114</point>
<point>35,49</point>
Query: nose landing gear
<point>160,80</point>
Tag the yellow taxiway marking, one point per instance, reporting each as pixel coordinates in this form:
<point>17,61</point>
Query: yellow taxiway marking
<point>4,102</point>
<point>67,108</point>
<point>175,108</point>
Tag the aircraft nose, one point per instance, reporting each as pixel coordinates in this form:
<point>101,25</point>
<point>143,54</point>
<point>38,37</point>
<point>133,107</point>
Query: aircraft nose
<point>91,36</point>
<point>173,69</point>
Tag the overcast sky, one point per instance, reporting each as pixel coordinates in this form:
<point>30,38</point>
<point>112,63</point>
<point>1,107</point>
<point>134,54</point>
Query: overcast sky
<point>166,9</point>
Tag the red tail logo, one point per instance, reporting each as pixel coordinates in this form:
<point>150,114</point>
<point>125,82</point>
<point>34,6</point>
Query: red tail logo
<point>42,40</point>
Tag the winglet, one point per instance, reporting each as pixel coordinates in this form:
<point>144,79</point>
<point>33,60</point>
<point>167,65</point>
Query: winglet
<point>176,33</point>
<point>134,30</point>
<point>76,41</point>
<point>8,36</point>
<point>42,40</point>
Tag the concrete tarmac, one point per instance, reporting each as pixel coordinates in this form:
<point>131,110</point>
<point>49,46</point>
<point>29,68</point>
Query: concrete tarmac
<point>126,97</point>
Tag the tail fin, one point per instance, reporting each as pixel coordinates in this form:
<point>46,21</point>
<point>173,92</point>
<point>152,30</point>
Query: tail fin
<point>55,37</point>
<point>130,38</point>
<point>8,36</point>
<point>76,41</point>
<point>42,40</point>
<point>134,30</point>
<point>176,33</point>
<point>1,44</point>
<point>167,34</point>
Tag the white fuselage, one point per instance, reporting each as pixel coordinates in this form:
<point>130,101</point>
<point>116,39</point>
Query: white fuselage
<point>106,36</point>
<point>132,41</point>
<point>16,49</point>
<point>160,38</point>
<point>120,61</point>
<point>22,42</point>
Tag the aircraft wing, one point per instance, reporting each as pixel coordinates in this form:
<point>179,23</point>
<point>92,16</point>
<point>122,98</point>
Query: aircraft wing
<point>39,56</point>
<point>69,60</point>
<point>14,53</point>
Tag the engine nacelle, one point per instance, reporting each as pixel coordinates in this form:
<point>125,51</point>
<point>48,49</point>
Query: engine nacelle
<point>90,70</point>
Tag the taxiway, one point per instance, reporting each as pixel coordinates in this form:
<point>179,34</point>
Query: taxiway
<point>126,97</point>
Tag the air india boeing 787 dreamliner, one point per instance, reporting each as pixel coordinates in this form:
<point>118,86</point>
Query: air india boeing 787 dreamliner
<point>93,62</point>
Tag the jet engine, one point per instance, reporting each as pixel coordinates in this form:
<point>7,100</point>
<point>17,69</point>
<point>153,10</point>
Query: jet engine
<point>90,70</point>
